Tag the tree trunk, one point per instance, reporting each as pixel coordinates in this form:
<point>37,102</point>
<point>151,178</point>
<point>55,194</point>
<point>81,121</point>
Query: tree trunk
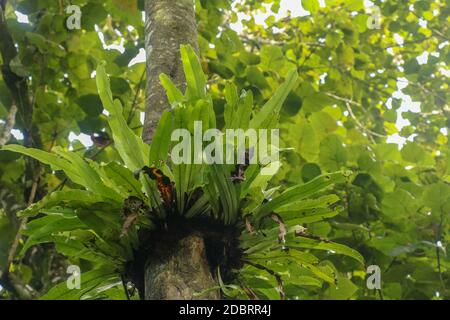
<point>169,24</point>
<point>179,271</point>
<point>180,268</point>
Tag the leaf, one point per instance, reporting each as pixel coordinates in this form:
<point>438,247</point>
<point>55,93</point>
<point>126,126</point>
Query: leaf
<point>41,230</point>
<point>200,206</point>
<point>228,192</point>
<point>195,78</point>
<point>343,290</point>
<point>89,281</point>
<point>311,5</point>
<point>316,102</point>
<point>310,216</point>
<point>122,180</point>
<point>321,202</point>
<point>354,5</point>
<point>272,58</point>
<point>437,197</point>
<point>161,142</point>
<point>398,205</point>
<point>273,106</point>
<point>55,161</point>
<point>74,248</point>
<point>310,171</point>
<point>174,95</point>
<point>304,281</point>
<point>133,151</point>
<point>73,197</point>
<point>232,98</point>
<point>77,169</point>
<point>221,69</point>
<point>238,110</point>
<point>244,110</point>
<point>299,192</point>
<point>91,178</point>
<point>333,154</point>
<point>18,68</point>
<point>413,152</point>
<point>302,242</point>
<point>130,6</point>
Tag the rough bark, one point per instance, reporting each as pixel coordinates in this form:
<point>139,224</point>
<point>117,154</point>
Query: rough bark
<point>180,269</point>
<point>169,24</point>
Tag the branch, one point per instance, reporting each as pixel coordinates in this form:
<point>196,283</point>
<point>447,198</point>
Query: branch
<point>253,39</point>
<point>12,284</point>
<point>134,104</point>
<point>17,85</point>
<point>9,125</point>
<point>348,104</point>
<point>23,222</point>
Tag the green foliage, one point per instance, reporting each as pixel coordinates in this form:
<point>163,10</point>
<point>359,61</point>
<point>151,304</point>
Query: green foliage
<point>97,209</point>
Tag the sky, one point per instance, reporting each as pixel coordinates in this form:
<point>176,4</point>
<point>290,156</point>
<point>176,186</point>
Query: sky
<point>296,10</point>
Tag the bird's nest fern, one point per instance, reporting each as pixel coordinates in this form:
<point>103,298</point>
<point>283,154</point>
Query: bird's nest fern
<point>103,220</point>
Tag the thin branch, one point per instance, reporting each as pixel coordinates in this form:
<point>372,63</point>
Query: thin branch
<point>13,249</point>
<point>438,253</point>
<point>11,282</point>
<point>348,104</point>
<point>259,40</point>
<point>9,125</point>
<point>133,106</point>
<point>248,291</point>
<point>14,285</point>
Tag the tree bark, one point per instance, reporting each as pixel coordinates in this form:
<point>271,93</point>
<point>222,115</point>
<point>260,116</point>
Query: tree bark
<point>180,268</point>
<point>169,24</point>
<point>179,271</point>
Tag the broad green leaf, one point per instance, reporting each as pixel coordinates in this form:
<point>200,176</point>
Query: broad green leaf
<point>333,155</point>
<point>437,197</point>
<point>174,95</point>
<point>41,230</point>
<point>309,215</point>
<point>311,5</point>
<point>273,106</point>
<point>316,102</point>
<point>161,142</point>
<point>343,290</point>
<point>335,248</point>
<point>89,280</point>
<point>195,78</point>
<point>73,197</point>
<point>122,180</point>
<point>56,162</point>
<point>132,149</point>
<point>299,192</point>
